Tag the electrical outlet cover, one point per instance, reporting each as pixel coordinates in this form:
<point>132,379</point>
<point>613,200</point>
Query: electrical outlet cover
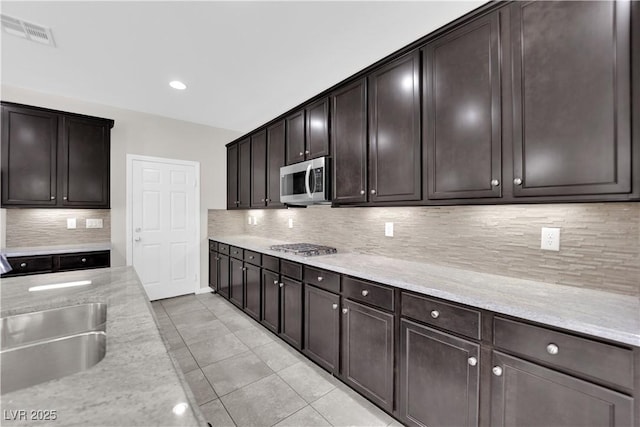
<point>550,239</point>
<point>71,223</point>
<point>388,229</point>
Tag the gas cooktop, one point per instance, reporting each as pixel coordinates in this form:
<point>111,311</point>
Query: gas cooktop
<point>304,249</point>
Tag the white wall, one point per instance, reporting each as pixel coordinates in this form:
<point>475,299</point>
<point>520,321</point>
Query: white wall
<point>149,135</point>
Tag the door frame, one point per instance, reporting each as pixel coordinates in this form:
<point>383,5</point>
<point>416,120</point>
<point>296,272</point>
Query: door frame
<point>129,205</point>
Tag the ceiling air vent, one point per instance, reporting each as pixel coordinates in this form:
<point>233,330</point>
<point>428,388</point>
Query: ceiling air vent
<point>27,30</point>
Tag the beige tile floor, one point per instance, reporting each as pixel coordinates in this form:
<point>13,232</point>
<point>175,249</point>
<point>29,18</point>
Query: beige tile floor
<point>243,375</point>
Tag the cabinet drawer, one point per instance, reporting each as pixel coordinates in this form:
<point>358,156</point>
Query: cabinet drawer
<point>271,263</point>
<point>81,261</point>
<point>447,316</point>
<point>30,265</point>
<point>580,355</point>
<point>253,257</point>
<point>223,249</point>
<point>367,292</point>
<point>322,279</point>
<point>291,269</point>
<point>236,252</point>
<point>213,246</point>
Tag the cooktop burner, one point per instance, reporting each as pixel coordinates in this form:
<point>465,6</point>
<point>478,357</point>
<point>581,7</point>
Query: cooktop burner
<point>304,249</point>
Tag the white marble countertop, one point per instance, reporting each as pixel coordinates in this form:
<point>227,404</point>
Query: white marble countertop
<point>56,249</point>
<point>601,314</point>
<point>137,382</point>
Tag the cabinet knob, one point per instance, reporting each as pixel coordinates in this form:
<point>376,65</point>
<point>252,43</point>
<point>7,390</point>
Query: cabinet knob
<point>345,311</point>
<point>373,191</point>
<point>275,282</point>
<point>64,198</point>
<point>495,182</point>
<point>362,192</point>
<point>301,153</point>
<point>267,200</point>
<point>250,256</point>
<point>552,349</point>
<point>517,181</point>
<point>472,361</point>
<point>306,151</point>
<point>23,264</point>
<point>243,268</point>
<point>282,285</point>
<point>435,314</point>
<point>53,197</point>
<point>320,278</point>
<point>334,306</point>
<point>83,260</point>
<point>365,293</point>
<point>262,200</point>
<point>497,371</point>
<point>217,259</point>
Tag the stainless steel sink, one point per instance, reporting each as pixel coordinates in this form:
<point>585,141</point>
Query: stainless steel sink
<point>50,344</point>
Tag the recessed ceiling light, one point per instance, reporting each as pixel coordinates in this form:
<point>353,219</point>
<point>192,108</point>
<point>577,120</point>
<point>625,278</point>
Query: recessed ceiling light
<point>178,85</point>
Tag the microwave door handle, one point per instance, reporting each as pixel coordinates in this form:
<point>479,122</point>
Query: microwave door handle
<point>306,182</point>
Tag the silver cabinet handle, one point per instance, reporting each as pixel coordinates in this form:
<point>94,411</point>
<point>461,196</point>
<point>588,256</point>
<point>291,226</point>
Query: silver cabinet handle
<point>334,306</point>
<point>497,371</point>
<point>472,361</point>
<point>345,311</point>
<point>282,285</point>
<point>251,257</point>
<point>435,314</point>
<point>244,268</point>
<point>262,200</point>
<point>267,200</point>
<point>373,191</point>
<point>365,293</point>
<point>53,197</point>
<point>23,264</point>
<point>495,182</point>
<point>275,282</point>
<point>517,181</point>
<point>64,198</point>
<point>301,153</point>
<point>362,191</point>
<point>83,260</point>
<point>320,278</point>
<point>552,349</point>
<point>217,259</point>
<point>306,151</point>
<point>137,239</point>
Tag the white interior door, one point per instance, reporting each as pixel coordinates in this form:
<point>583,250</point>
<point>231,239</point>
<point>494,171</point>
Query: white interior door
<point>165,240</point>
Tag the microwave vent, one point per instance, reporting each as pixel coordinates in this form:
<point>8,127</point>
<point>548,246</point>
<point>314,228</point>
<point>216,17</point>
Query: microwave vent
<point>27,30</point>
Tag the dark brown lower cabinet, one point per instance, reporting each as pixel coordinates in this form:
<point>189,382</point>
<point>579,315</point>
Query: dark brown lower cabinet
<point>527,394</point>
<point>252,281</point>
<point>214,265</point>
<point>291,312</point>
<point>271,300</point>
<point>39,264</point>
<point>236,282</point>
<point>439,378</point>
<point>223,275</point>
<point>367,351</point>
<point>322,327</point>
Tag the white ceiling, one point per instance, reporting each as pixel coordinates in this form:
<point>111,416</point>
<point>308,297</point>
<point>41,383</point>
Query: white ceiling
<point>244,62</point>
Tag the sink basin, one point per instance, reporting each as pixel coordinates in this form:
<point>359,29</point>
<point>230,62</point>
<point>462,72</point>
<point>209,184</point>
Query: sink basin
<point>39,325</point>
<point>50,344</point>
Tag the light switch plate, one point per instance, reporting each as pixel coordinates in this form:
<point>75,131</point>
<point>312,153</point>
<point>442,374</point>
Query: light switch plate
<point>71,223</point>
<point>388,229</point>
<point>550,239</point>
<point>94,223</point>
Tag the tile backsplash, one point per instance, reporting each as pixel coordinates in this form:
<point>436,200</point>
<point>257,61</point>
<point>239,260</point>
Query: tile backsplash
<point>47,227</point>
<point>599,242</point>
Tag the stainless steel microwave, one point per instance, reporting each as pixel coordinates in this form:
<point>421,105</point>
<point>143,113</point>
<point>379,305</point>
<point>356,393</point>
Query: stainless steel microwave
<point>305,183</point>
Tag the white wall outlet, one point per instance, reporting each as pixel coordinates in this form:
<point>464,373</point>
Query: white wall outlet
<point>249,221</point>
<point>71,223</point>
<point>94,223</point>
<point>550,239</point>
<point>388,229</point>
<point>290,222</point>
<point>255,220</point>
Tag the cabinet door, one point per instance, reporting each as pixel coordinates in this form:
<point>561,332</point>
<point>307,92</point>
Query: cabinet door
<point>571,97</point>
<point>394,131</point>
<point>29,147</point>
<point>236,281</point>
<point>349,143</point>
<point>224,276</point>
<point>526,394</point>
<point>295,137</point>
<point>367,351</point>
<point>83,164</point>
<point>291,312</point>
<point>232,176</point>
<point>214,265</point>
<point>322,327</point>
<point>317,116</point>
<point>438,384</point>
<point>462,126</point>
<point>252,287</point>
<point>275,160</point>
<point>259,169</point>
<point>271,300</point>
<point>244,173</point>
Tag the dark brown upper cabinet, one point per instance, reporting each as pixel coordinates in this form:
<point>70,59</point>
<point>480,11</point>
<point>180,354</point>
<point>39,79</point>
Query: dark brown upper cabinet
<point>571,98</point>
<point>259,169</point>
<point>461,114</point>
<point>394,131</point>
<point>275,160</point>
<point>54,159</point>
<point>295,136</point>
<point>317,124</point>
<point>232,177</point>
<point>244,173</point>
<point>349,143</point>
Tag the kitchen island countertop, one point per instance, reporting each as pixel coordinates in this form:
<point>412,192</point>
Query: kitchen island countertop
<point>137,382</point>
<point>601,314</point>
